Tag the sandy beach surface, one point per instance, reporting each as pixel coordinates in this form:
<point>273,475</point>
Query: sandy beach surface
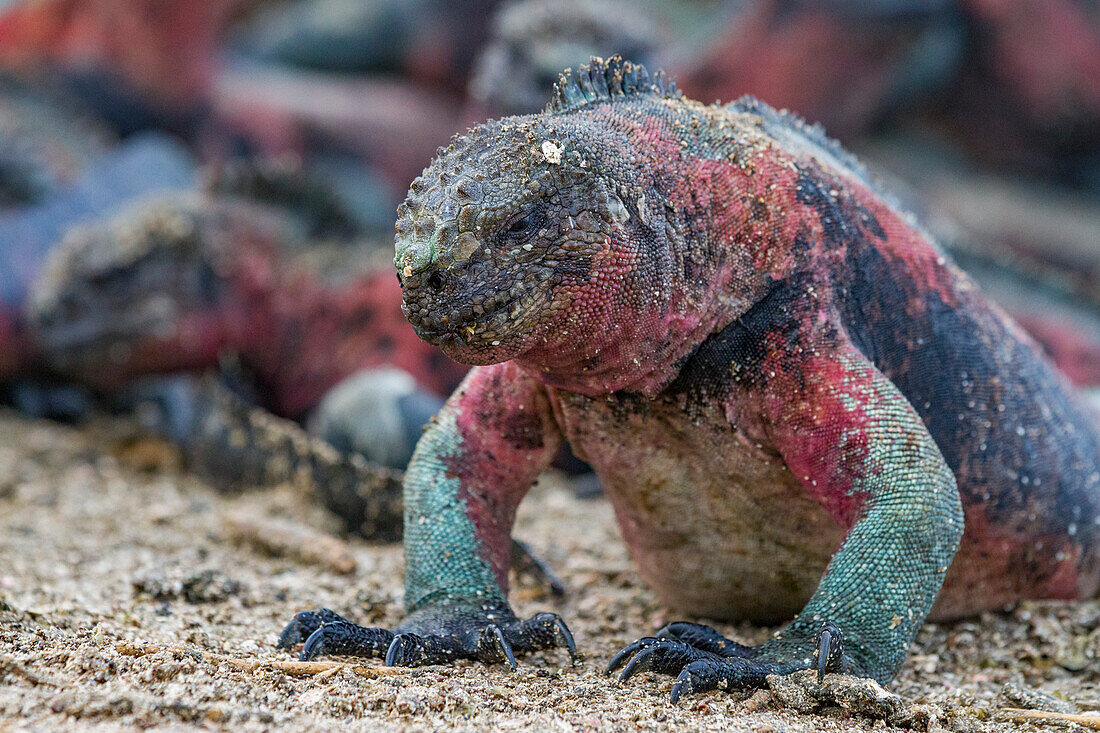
<point>134,596</point>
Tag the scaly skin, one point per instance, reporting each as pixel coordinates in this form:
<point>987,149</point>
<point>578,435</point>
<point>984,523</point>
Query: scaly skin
<point>170,285</point>
<point>790,394</point>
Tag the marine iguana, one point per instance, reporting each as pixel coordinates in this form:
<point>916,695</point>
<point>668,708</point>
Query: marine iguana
<point>791,395</point>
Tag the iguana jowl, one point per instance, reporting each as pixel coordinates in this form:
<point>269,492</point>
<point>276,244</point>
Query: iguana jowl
<point>791,396</point>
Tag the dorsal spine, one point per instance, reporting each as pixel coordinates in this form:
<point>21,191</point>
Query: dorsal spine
<point>607,80</point>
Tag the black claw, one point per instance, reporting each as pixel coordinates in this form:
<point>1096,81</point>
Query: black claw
<point>314,646</point>
<point>329,633</point>
<point>344,637</point>
<point>828,651</point>
<point>704,675</point>
<point>405,650</point>
<point>290,636</point>
<point>492,646</point>
<point>704,660</point>
<point>304,624</point>
<point>681,687</point>
<point>506,647</point>
<point>629,651</point>
<point>544,631</point>
<point>664,656</point>
<point>699,676</point>
<point>564,637</point>
<point>640,662</point>
<point>644,660</point>
<point>821,654</point>
<point>674,646</point>
<point>393,650</point>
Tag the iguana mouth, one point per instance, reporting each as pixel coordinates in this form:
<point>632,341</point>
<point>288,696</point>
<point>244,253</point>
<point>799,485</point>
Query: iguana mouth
<point>467,322</point>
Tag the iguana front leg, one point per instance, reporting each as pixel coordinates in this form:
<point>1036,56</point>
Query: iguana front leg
<point>860,449</point>
<point>470,470</point>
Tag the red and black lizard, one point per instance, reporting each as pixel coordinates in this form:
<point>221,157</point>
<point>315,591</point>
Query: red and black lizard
<point>794,399</point>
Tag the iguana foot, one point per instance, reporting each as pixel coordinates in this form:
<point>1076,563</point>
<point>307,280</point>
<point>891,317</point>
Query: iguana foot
<point>704,660</point>
<point>326,632</point>
<point>433,636</point>
<point>486,642</point>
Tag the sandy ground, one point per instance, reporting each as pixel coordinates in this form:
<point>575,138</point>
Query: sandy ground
<point>127,602</point>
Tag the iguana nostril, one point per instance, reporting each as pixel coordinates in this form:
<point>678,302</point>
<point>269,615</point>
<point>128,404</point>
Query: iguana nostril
<point>435,281</point>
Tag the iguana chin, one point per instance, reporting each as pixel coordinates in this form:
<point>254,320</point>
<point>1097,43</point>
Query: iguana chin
<point>790,394</point>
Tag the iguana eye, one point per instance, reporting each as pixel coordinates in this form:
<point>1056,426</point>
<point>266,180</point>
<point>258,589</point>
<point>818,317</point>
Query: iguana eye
<point>520,226</point>
<point>526,226</point>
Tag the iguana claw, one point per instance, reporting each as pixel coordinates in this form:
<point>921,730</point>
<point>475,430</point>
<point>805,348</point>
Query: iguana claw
<point>828,653</point>
<point>463,636</point>
<point>492,645</point>
<point>703,660</point>
<point>304,624</point>
<point>629,651</point>
<point>333,635</point>
<point>665,656</point>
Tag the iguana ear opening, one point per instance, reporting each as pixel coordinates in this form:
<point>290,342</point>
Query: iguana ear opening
<point>606,81</point>
<point>617,209</point>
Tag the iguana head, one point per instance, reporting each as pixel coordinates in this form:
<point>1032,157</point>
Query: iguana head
<point>166,284</point>
<point>519,236</point>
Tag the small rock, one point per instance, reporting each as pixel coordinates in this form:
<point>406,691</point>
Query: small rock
<point>552,152</point>
<point>757,700</point>
<point>206,586</point>
<point>790,691</point>
<point>1072,652</point>
<point>1032,699</point>
<point>858,696</point>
